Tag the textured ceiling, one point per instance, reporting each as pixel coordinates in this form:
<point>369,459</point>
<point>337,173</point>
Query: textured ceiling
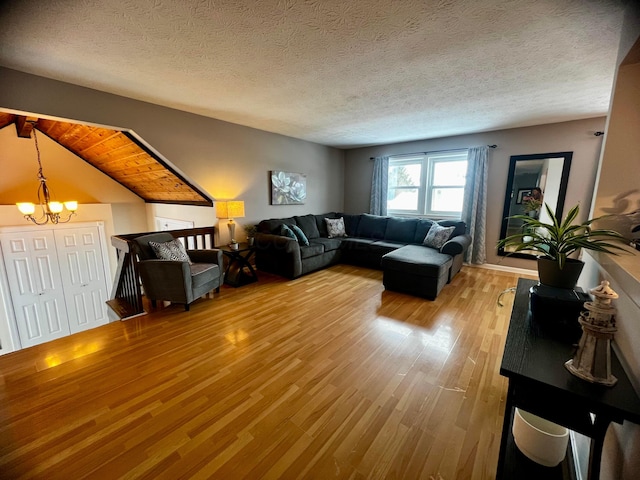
<point>342,73</point>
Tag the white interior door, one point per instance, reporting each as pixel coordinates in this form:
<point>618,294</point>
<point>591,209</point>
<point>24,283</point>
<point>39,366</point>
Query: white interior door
<point>36,286</point>
<point>83,277</point>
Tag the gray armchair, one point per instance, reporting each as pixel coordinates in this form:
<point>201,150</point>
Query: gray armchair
<point>177,281</point>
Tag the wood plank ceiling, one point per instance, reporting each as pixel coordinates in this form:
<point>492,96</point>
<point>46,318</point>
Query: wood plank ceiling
<point>119,155</point>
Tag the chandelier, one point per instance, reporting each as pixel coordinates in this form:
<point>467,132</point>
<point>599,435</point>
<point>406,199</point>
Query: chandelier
<point>50,210</point>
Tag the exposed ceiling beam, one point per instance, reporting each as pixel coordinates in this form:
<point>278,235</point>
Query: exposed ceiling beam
<point>24,125</point>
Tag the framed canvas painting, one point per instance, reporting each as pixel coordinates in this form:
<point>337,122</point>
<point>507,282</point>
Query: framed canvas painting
<point>288,188</point>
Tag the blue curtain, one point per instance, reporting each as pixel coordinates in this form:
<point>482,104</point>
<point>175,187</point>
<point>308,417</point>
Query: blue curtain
<point>379,186</point>
<point>474,205</point>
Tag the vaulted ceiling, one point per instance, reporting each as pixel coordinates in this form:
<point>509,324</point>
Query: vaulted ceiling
<point>118,154</point>
<point>336,72</point>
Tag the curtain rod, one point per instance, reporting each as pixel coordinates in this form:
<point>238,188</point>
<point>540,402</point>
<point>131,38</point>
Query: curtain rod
<point>432,151</point>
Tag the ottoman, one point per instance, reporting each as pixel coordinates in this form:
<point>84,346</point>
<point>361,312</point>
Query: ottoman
<point>416,270</point>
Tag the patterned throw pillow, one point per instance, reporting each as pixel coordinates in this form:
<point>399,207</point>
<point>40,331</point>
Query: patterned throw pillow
<point>287,232</point>
<point>172,250</point>
<point>437,236</point>
<point>335,227</point>
<point>302,238</point>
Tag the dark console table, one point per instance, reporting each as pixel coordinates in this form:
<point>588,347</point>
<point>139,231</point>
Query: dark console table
<point>539,383</point>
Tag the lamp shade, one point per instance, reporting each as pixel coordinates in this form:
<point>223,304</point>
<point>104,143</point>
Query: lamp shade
<point>235,209</point>
<point>222,210</point>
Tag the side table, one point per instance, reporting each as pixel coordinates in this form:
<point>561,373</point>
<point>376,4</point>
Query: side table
<point>539,383</point>
<point>239,270</point>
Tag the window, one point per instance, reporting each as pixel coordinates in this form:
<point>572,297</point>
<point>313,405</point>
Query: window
<point>427,184</point>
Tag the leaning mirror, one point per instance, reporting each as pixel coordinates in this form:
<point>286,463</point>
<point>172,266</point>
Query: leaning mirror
<point>533,181</point>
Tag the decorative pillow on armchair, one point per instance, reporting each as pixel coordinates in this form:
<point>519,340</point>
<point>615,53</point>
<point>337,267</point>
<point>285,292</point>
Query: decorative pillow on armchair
<point>335,227</point>
<point>173,250</point>
<point>437,236</point>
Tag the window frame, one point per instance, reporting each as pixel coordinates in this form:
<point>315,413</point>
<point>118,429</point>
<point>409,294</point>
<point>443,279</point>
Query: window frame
<point>427,162</point>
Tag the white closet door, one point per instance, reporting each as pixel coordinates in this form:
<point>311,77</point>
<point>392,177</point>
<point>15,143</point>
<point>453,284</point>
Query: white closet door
<point>83,277</point>
<point>36,286</point>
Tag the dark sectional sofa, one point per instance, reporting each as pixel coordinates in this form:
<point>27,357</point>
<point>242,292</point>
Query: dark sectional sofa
<point>392,244</point>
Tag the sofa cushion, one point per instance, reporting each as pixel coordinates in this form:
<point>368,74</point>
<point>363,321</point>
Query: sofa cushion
<point>329,244</point>
<point>321,224</point>
<point>300,236</point>
<point>422,228</point>
<point>417,260</point>
<point>357,243</point>
<point>308,225</point>
<point>311,250</point>
<point>285,231</point>
<point>372,226</point>
<point>460,227</point>
<point>400,229</point>
<point>171,250</point>
<point>272,225</point>
<point>335,227</point>
<point>382,247</point>
<point>351,223</point>
<point>438,236</point>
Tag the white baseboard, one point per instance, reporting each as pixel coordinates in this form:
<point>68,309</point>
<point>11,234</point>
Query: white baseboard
<point>504,268</point>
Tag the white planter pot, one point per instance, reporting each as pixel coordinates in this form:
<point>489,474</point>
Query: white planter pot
<point>540,440</point>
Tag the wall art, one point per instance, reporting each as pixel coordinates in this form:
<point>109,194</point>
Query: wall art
<point>288,188</point>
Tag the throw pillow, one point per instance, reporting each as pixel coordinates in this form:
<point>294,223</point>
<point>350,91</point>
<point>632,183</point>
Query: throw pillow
<point>437,236</point>
<point>335,227</point>
<point>287,232</point>
<point>302,238</point>
<point>172,250</point>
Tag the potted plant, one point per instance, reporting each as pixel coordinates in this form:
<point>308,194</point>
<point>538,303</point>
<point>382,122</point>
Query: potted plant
<point>250,230</point>
<point>554,242</point>
<point>531,207</point>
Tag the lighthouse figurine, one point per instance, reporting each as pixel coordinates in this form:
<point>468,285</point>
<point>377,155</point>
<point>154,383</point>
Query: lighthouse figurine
<point>592,361</point>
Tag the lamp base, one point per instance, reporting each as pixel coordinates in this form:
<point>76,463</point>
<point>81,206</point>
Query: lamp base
<point>232,230</point>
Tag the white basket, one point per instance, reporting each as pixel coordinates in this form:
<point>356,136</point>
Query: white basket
<point>540,440</point>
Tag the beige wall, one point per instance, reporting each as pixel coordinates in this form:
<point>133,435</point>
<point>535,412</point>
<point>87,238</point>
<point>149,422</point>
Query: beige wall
<point>618,191</point>
<point>576,136</point>
<point>226,160</point>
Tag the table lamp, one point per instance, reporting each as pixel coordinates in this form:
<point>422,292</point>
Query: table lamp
<point>230,209</point>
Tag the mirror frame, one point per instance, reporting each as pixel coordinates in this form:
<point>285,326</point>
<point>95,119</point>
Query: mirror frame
<point>514,159</point>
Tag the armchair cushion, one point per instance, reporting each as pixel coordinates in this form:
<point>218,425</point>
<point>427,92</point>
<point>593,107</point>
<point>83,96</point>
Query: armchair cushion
<point>202,273</point>
<point>144,250</point>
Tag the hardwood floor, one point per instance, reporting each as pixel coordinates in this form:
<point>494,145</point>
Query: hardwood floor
<point>326,376</point>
